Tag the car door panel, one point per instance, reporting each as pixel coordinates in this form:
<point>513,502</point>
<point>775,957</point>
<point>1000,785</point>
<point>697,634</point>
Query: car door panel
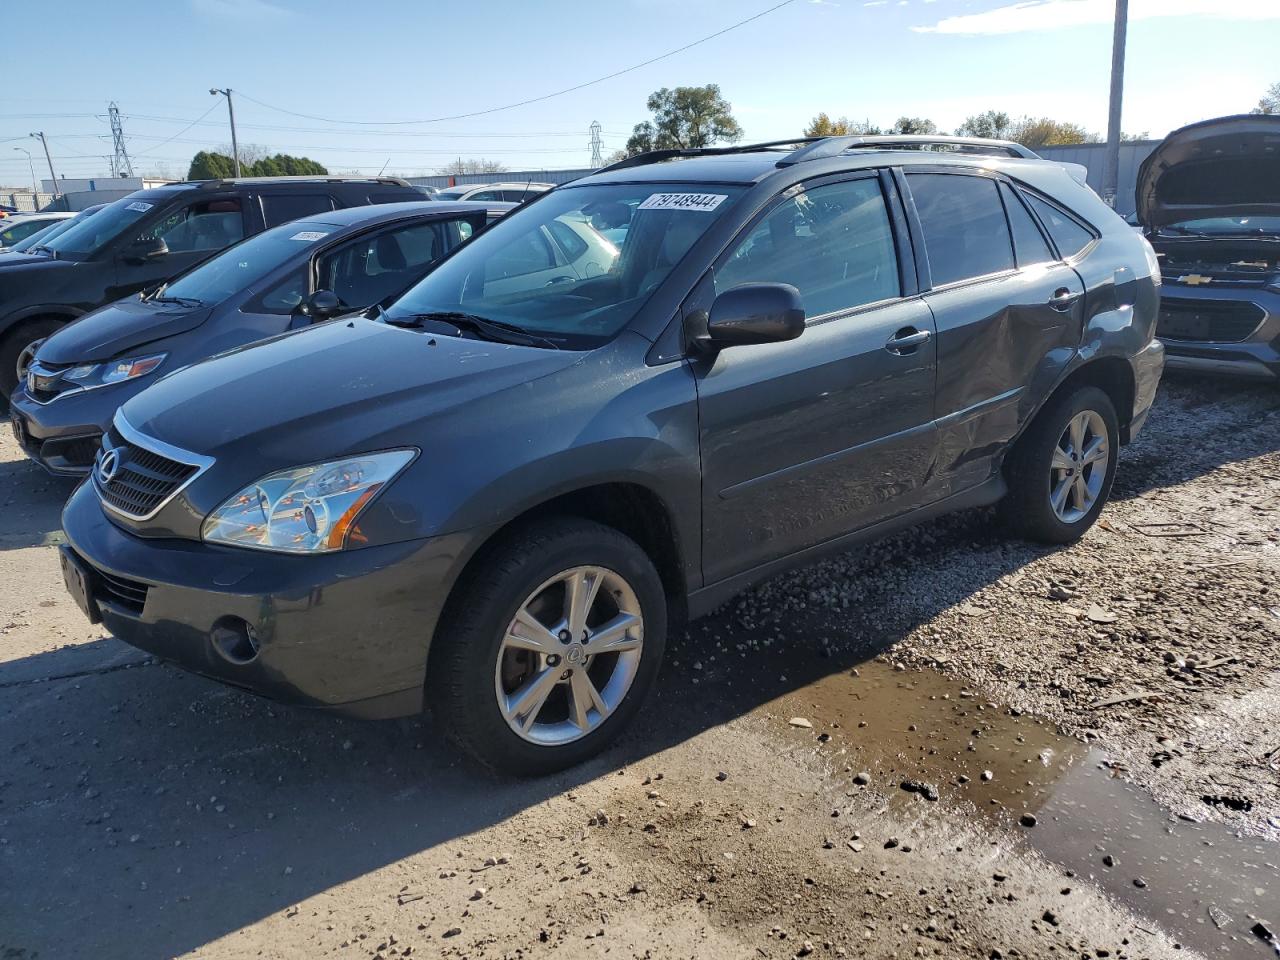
<point>807,440</point>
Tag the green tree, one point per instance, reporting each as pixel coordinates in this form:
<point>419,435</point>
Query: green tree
<point>685,118</point>
<point>992,124</point>
<point>914,125</point>
<point>207,165</point>
<point>1270,101</point>
<point>823,126</point>
<point>1046,132</point>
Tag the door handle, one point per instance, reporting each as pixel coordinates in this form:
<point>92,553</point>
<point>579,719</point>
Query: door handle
<point>906,340</point>
<point>1063,299</point>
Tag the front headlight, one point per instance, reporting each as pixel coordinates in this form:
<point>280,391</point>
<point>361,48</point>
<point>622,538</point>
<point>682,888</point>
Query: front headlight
<point>306,509</point>
<point>113,371</point>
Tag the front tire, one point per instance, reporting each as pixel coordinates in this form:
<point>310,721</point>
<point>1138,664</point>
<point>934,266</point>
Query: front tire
<point>15,348</point>
<point>548,647</point>
<point>1061,470</point>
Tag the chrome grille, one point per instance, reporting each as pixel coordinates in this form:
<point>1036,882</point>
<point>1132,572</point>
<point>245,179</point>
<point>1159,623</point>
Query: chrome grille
<point>135,480</point>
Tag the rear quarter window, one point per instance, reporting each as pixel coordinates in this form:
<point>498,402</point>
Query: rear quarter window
<point>283,207</point>
<point>1069,234</point>
<point>965,231</point>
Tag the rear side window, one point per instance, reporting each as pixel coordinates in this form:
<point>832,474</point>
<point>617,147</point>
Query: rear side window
<point>572,245</point>
<point>832,243</point>
<point>965,232</point>
<point>1028,242</point>
<point>1070,236</point>
<point>282,207</point>
<point>486,196</point>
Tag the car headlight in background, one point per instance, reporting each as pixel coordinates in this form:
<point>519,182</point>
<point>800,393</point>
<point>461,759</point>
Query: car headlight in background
<point>306,509</point>
<point>113,371</point>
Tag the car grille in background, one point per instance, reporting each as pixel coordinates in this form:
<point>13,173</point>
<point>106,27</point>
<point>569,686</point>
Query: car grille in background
<point>142,480</point>
<point>129,595</point>
<point>44,382</point>
<point>1210,321</point>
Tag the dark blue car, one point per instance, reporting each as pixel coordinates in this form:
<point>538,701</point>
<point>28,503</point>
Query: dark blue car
<point>289,276</point>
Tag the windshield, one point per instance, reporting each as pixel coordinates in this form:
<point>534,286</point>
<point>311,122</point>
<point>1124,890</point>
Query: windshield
<point>453,193</point>
<point>86,237</point>
<point>575,266</point>
<point>246,263</point>
<point>1226,226</point>
<point>44,235</point>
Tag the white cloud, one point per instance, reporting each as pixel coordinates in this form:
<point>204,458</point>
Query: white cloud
<point>258,10</point>
<point>1032,15</point>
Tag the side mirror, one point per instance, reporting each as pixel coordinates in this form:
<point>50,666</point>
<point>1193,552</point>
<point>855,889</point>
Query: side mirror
<point>755,313</point>
<point>146,249</point>
<point>322,305</point>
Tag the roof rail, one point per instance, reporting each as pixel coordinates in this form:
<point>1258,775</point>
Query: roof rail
<point>303,178</point>
<point>657,156</point>
<point>834,146</point>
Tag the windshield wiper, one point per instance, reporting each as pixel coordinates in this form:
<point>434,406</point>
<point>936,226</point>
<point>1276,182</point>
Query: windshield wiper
<point>489,329</point>
<point>40,247</point>
<point>155,297</point>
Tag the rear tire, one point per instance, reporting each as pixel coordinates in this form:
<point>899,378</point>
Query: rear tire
<point>13,346</point>
<point>1061,470</point>
<point>512,634</point>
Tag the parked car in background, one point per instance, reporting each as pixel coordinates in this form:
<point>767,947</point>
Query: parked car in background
<point>489,192</point>
<point>290,276</point>
<point>52,230</point>
<point>1209,203</point>
<point>17,228</point>
<point>151,235</point>
<point>431,193</point>
<point>498,497</point>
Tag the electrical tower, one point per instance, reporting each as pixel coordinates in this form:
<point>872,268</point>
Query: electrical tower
<point>597,158</point>
<point>120,165</point>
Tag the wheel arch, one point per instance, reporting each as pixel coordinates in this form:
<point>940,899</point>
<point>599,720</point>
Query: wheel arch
<point>632,509</point>
<point>51,311</point>
<point>1113,376</point>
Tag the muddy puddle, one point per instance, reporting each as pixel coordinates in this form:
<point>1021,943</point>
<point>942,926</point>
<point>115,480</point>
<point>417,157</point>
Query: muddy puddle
<point>1199,881</point>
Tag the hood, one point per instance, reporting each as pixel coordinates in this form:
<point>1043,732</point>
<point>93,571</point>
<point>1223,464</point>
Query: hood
<point>117,328</point>
<point>1229,167</point>
<point>18,259</point>
<point>328,391</point>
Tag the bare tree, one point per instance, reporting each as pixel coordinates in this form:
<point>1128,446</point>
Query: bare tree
<point>459,166</point>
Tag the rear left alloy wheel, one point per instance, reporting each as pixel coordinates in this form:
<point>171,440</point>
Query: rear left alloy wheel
<point>549,648</point>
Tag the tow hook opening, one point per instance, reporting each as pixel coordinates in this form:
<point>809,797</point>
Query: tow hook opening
<point>235,640</point>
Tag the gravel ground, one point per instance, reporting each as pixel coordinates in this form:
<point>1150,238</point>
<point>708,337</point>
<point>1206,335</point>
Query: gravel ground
<point>757,809</point>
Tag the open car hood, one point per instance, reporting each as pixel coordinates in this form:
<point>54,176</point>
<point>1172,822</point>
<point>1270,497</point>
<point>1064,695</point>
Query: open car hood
<point>1228,167</point>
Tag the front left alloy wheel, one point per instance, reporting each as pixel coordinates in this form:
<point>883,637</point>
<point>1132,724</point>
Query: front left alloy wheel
<point>549,647</point>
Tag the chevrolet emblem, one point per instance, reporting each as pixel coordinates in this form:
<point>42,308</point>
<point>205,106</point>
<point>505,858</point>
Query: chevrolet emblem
<point>1194,280</point>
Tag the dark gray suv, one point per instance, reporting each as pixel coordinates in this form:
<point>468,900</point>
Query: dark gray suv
<point>497,495</point>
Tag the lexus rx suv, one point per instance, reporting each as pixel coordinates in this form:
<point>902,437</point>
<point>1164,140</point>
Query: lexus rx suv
<point>496,496</point>
<point>1209,201</point>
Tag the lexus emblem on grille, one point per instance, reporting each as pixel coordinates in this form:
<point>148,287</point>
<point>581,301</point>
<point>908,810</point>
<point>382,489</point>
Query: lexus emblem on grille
<point>108,466</point>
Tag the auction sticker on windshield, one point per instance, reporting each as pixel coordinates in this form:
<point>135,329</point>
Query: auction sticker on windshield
<point>139,206</point>
<point>308,235</point>
<point>705,202</point>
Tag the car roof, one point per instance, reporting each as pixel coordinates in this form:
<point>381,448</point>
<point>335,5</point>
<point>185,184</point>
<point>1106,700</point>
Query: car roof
<point>47,215</point>
<point>382,212</point>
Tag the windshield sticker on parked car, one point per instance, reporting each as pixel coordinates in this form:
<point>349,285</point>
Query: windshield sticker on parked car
<point>308,235</point>
<point>140,206</point>
<point>704,202</point>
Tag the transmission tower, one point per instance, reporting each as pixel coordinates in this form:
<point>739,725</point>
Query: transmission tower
<point>597,157</point>
<point>120,165</point>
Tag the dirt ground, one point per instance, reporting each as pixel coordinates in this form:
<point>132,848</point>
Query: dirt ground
<point>1089,740</point>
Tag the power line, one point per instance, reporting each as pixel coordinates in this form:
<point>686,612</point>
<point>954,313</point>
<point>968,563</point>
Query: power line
<point>524,103</point>
<point>180,132</point>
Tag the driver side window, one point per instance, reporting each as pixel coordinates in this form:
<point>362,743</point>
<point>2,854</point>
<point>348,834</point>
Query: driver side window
<point>207,225</point>
<point>832,243</point>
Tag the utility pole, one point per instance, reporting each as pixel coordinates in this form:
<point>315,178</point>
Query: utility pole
<point>597,158</point>
<point>120,165</point>
<point>231,112</point>
<point>35,187</point>
<point>45,143</point>
<point>1111,162</point>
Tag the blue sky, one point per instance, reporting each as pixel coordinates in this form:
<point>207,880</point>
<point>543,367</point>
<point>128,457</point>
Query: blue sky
<point>385,61</point>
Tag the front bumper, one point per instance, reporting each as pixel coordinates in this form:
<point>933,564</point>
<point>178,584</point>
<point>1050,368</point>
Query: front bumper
<point>64,434</point>
<point>348,631</point>
<point>1256,355</point>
